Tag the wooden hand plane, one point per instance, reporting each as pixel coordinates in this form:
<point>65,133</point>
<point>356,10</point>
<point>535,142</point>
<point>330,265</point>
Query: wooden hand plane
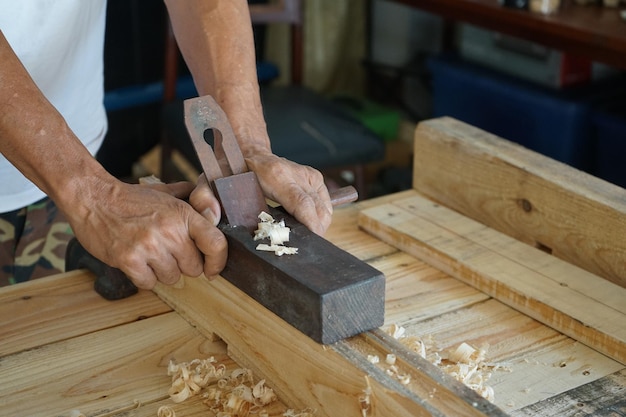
<point>323,291</point>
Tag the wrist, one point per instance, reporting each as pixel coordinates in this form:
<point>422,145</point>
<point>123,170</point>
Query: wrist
<point>78,190</point>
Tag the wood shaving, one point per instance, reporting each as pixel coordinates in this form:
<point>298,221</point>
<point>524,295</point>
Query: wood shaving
<point>233,394</point>
<point>165,411</point>
<point>276,232</point>
<point>188,378</point>
<point>373,358</point>
<point>365,400</point>
<point>277,249</point>
<point>303,413</point>
<point>465,363</point>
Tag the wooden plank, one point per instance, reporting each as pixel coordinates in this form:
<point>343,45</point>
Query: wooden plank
<point>534,362</point>
<point>63,306</point>
<point>345,234</point>
<point>304,373</point>
<point>192,407</point>
<point>416,291</point>
<point>103,372</point>
<point>576,217</point>
<point>422,373</point>
<point>602,397</point>
<point>526,278</point>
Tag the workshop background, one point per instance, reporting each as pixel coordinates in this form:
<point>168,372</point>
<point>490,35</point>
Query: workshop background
<point>388,66</point>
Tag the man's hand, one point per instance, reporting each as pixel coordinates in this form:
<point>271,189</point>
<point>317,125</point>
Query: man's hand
<point>152,235</point>
<point>298,188</point>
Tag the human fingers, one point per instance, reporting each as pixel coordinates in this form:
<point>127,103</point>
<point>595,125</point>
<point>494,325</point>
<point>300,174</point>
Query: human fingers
<point>204,201</point>
<point>298,188</point>
<point>162,254</point>
<point>211,242</point>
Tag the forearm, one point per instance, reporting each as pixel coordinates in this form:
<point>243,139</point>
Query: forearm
<point>36,139</point>
<point>216,40</point>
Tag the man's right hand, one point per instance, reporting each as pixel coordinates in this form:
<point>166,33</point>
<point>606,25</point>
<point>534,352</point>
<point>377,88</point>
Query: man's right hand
<point>150,233</point>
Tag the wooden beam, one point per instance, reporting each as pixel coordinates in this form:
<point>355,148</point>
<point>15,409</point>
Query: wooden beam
<point>602,397</point>
<point>547,204</point>
<point>103,373</point>
<point>329,378</point>
<point>556,293</point>
<point>63,306</point>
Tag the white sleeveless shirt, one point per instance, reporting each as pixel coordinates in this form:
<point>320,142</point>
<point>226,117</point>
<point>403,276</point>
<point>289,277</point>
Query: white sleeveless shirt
<point>61,44</point>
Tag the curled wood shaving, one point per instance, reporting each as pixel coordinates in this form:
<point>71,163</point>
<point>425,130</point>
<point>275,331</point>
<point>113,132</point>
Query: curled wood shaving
<point>465,363</point>
<point>233,394</point>
<point>188,378</point>
<point>276,232</point>
<point>373,358</point>
<point>165,411</point>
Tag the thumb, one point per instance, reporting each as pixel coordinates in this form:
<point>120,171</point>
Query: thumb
<point>204,201</point>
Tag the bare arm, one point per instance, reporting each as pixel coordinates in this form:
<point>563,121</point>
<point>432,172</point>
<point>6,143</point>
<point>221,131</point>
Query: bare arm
<point>35,137</point>
<point>147,232</point>
<point>215,37</point>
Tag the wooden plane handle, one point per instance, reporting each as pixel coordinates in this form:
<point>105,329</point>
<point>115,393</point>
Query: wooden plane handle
<point>343,195</point>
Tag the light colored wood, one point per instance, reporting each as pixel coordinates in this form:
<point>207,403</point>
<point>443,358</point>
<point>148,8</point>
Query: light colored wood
<point>304,373</point>
<point>567,298</point>
<point>580,218</point>
<point>603,397</point>
<point>63,306</point>
<point>416,291</point>
<point>150,164</point>
<point>421,298</point>
<point>537,361</point>
<point>344,233</point>
<point>101,372</point>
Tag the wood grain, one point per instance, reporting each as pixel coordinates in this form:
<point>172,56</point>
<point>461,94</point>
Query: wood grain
<point>531,281</point>
<point>578,218</point>
<point>304,373</point>
<point>101,372</point>
<point>602,397</point>
<point>536,361</point>
<point>64,306</point>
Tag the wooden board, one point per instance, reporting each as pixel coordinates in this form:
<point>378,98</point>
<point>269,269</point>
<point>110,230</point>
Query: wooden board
<point>529,280</point>
<point>111,370</point>
<point>549,205</point>
<point>602,397</point>
<point>64,306</point>
<point>537,361</point>
<point>328,378</point>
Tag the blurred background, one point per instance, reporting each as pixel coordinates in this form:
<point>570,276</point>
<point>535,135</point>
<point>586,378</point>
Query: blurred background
<point>371,70</point>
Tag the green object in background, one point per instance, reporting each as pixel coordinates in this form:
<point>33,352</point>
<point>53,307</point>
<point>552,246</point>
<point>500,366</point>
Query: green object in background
<point>381,120</point>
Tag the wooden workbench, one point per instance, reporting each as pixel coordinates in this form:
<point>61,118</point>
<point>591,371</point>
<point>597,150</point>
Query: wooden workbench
<point>64,348</point>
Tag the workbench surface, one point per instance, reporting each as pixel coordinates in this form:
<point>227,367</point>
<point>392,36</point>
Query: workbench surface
<point>64,348</point>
